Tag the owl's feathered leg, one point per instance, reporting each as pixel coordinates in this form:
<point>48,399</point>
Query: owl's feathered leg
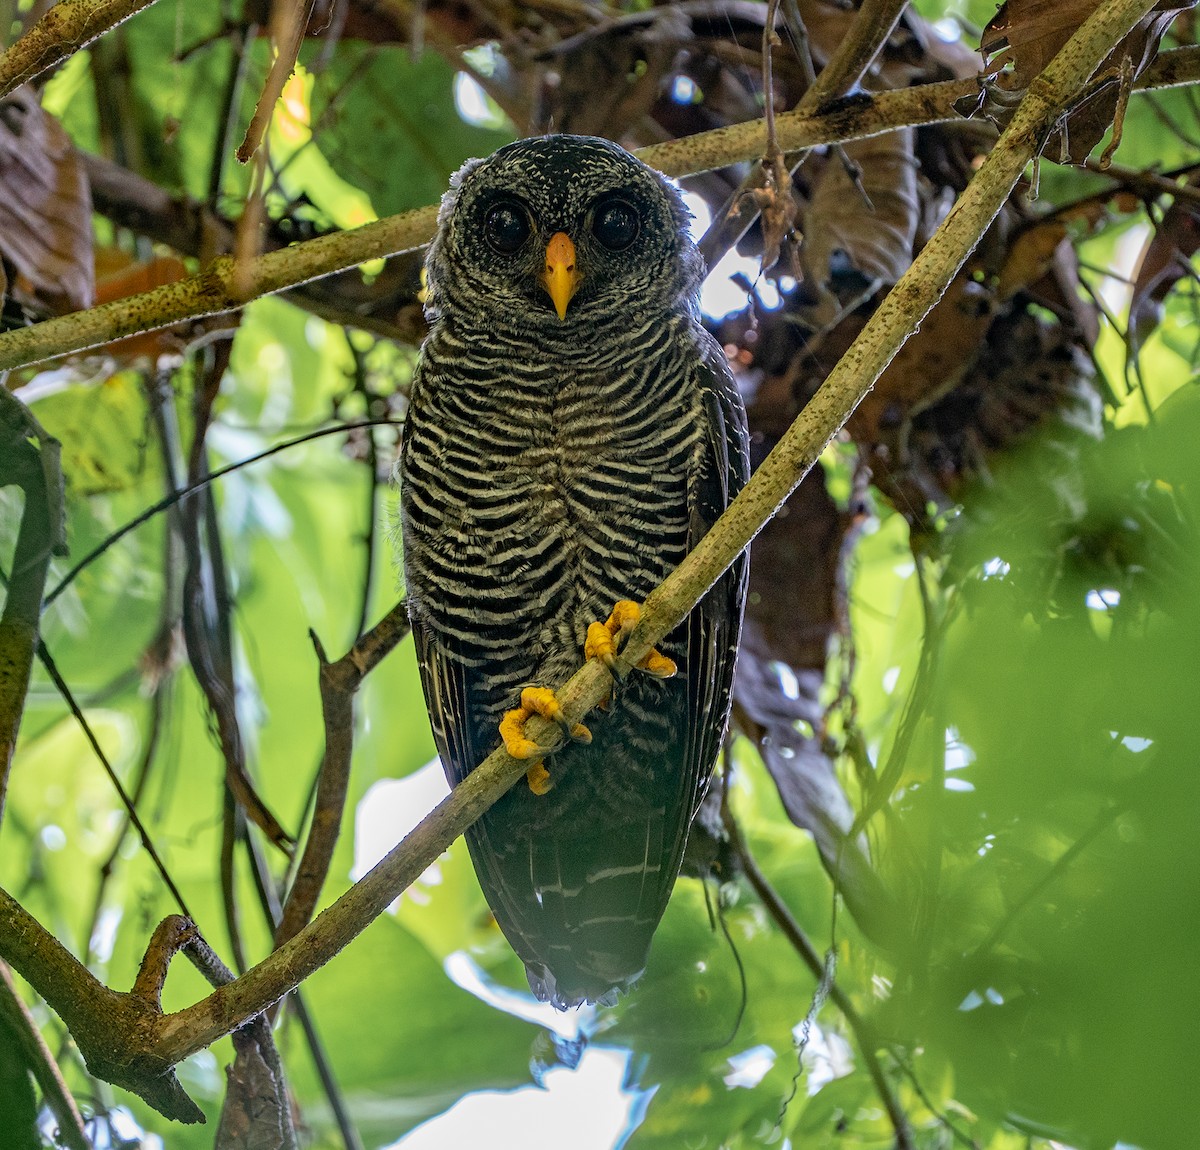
<point>537,701</point>
<point>602,642</point>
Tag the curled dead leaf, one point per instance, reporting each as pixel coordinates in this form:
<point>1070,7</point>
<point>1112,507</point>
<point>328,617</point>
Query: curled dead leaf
<point>1025,35</point>
<point>1166,259</point>
<point>118,275</point>
<point>866,227</point>
<point>45,209</point>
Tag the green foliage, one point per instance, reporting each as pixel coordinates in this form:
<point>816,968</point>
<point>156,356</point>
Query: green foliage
<point>390,127</point>
<point>1057,982</point>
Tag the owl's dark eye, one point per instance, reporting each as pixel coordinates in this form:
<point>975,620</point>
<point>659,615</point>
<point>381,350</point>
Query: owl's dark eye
<point>615,224</point>
<point>506,227</point>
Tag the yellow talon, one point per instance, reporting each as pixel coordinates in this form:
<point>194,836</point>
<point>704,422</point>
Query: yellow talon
<point>539,779</point>
<point>512,731</point>
<point>537,701</point>
<point>541,701</point>
<point>658,665</point>
<point>599,644</point>
<point>602,641</point>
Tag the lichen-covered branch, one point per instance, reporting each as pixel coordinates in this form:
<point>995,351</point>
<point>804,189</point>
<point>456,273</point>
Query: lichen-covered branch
<point>67,27</point>
<point>193,1028</point>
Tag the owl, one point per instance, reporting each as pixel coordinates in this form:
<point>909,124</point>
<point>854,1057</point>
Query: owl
<point>572,432</point>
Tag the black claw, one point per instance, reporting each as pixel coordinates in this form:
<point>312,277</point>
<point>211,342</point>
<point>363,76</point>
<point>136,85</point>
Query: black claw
<point>614,668</point>
<point>563,722</point>
<point>570,730</point>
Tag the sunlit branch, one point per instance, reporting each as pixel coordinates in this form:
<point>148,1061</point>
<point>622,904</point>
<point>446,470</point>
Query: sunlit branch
<point>68,26</point>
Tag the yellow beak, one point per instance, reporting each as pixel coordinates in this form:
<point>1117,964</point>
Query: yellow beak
<point>559,276</point>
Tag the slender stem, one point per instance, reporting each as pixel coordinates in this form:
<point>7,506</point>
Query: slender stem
<point>30,460</point>
<point>36,1053</point>
<point>863,1031</point>
<point>338,683</point>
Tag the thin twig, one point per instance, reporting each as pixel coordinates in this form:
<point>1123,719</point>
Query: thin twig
<point>130,809</point>
<point>231,102</point>
<point>846,67</point>
<point>169,501</point>
<point>864,1033</point>
<point>362,387</point>
<point>338,681</point>
<point>31,461</point>
<point>1103,820</point>
<point>288,23</point>
<point>269,901</point>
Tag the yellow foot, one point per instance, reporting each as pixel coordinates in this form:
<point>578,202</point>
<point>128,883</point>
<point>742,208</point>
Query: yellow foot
<point>602,639</point>
<point>537,701</point>
<point>539,779</point>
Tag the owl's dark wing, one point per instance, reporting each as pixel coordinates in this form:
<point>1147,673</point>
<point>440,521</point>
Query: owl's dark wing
<point>714,627</point>
<point>447,685</point>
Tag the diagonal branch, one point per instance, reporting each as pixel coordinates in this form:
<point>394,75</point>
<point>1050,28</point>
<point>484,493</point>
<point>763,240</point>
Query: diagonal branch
<point>896,318</point>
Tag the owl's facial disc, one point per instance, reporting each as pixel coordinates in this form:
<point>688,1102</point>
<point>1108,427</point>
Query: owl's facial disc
<point>560,277</point>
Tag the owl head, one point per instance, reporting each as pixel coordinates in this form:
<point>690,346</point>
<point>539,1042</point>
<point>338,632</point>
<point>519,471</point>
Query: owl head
<point>557,232</point>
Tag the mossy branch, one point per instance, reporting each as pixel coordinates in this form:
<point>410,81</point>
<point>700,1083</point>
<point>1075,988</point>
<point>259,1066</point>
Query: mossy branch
<point>59,34</point>
<point>165,1039</point>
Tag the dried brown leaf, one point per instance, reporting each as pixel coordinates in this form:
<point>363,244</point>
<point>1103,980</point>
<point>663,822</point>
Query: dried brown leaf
<point>868,229</point>
<point>1025,35</point>
<point>932,363</point>
<point>1030,257</point>
<point>45,209</point>
<point>1166,259</point>
<point>119,276</point>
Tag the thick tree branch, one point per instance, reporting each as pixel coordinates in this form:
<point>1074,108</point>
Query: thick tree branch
<point>147,1043</point>
<point>67,27</point>
<point>114,1031</point>
<point>221,288</point>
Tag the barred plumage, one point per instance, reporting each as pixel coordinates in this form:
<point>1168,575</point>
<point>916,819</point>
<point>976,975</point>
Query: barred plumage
<point>551,467</point>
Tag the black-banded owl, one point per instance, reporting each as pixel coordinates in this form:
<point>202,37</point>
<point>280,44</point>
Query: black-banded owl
<point>573,431</point>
